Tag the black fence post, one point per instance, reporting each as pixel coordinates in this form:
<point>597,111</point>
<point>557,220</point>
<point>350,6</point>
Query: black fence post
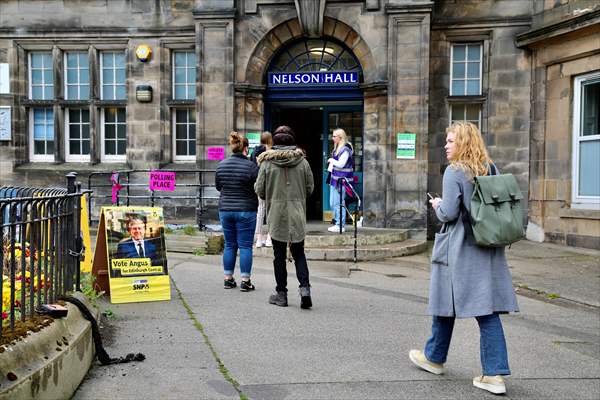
<point>71,235</point>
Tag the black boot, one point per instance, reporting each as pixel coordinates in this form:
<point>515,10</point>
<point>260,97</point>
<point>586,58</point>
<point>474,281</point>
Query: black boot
<point>279,299</point>
<point>305,300</point>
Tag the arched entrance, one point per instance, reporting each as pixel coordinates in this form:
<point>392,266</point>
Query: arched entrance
<point>312,85</point>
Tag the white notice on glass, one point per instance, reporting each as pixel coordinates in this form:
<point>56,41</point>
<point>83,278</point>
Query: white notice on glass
<point>5,123</point>
<point>4,79</point>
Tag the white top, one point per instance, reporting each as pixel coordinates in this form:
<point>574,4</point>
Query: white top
<point>338,163</point>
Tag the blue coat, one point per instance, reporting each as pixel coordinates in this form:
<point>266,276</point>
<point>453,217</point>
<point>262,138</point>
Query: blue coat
<point>127,249</point>
<point>476,280</point>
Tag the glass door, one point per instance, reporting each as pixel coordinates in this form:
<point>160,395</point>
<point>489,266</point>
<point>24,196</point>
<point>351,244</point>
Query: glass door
<point>350,119</point>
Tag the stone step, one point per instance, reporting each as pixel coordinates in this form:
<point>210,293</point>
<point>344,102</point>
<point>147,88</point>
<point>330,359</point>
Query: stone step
<point>372,244</point>
<point>321,239</point>
<point>363,253</point>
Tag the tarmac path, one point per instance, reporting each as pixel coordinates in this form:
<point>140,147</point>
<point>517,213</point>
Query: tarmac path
<point>210,343</point>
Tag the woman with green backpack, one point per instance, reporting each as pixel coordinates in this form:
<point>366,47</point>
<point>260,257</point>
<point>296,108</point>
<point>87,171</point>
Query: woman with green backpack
<point>467,280</point>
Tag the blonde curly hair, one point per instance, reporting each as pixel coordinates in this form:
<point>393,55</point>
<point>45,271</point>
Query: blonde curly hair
<point>471,155</point>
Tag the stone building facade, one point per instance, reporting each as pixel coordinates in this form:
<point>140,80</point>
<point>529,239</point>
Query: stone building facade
<point>564,200</point>
<point>77,77</point>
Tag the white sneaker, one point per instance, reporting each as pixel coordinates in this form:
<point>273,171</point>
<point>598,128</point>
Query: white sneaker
<point>259,244</point>
<point>493,384</point>
<point>419,359</point>
<point>335,228</point>
<point>269,243</point>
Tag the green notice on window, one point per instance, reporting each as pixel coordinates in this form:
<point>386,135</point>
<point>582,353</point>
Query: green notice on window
<point>405,149</point>
<point>253,140</point>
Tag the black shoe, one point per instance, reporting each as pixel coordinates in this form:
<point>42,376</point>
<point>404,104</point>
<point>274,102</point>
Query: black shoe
<point>279,299</point>
<point>305,300</point>
<point>246,286</point>
<point>229,283</point>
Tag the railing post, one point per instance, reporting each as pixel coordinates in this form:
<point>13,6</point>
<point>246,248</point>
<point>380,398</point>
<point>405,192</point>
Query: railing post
<point>71,235</point>
<point>341,197</point>
<point>78,238</point>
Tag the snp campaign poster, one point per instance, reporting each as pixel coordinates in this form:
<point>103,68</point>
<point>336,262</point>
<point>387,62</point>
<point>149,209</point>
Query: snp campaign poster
<point>136,253</point>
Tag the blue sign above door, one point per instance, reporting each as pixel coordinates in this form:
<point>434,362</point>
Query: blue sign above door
<point>321,78</point>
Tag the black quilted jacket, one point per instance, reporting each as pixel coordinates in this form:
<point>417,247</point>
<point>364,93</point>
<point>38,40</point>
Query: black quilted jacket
<point>235,180</point>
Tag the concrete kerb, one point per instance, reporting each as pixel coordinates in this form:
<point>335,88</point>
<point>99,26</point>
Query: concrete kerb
<point>51,363</point>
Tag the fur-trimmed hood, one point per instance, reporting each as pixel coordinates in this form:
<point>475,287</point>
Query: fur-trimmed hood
<point>282,156</point>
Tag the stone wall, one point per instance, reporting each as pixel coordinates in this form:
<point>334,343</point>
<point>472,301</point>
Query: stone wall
<point>551,143</point>
<point>505,98</point>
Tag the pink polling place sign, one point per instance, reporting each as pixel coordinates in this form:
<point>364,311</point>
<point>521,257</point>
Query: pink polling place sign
<point>162,180</point>
<point>215,153</point>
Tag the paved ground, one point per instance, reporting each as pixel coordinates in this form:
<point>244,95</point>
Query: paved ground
<point>208,343</point>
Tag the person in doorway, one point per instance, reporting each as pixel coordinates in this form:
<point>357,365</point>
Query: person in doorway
<point>285,181</point>
<point>262,235</point>
<point>235,178</point>
<point>137,246</point>
<point>340,165</point>
<point>476,281</point>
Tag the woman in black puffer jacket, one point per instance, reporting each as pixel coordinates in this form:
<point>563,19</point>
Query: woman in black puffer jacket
<point>238,203</point>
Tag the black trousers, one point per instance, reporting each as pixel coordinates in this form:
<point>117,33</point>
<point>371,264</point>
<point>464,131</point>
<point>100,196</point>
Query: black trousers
<point>279,264</point>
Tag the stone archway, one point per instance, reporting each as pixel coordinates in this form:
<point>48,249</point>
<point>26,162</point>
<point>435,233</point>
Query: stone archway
<point>290,30</point>
<point>250,105</point>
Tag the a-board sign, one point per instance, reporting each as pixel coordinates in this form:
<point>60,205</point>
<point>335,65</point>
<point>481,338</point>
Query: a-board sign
<point>131,252</point>
<point>86,259</point>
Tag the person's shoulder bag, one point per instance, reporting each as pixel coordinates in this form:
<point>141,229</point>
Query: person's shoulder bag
<point>496,209</point>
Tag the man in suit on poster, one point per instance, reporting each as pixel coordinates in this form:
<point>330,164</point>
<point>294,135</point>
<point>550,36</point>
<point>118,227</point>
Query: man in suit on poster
<point>136,246</point>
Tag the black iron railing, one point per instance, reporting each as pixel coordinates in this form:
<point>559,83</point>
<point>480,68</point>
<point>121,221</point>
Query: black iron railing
<point>41,247</point>
<point>195,186</point>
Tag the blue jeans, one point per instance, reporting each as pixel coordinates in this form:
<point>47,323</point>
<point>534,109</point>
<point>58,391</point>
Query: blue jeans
<point>492,345</point>
<point>238,229</point>
<point>334,202</point>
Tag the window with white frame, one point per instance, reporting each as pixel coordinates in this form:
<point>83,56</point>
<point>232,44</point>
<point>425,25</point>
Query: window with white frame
<point>466,112</point>
<point>41,76</point>
<point>586,141</point>
<point>114,134</point>
<point>184,134</point>
<point>41,128</point>
<point>184,75</point>
<point>77,122</point>
<point>77,72</point>
<point>112,77</point>
<point>465,74</point>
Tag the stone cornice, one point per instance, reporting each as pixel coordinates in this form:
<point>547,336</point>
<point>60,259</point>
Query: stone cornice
<point>101,33</point>
<point>464,23</point>
<point>215,14</point>
<point>426,7</point>
<point>557,29</point>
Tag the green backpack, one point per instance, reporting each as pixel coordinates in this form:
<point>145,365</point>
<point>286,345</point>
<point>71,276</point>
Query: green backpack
<point>496,210</point>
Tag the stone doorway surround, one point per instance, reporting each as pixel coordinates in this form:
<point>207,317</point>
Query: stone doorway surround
<point>392,46</point>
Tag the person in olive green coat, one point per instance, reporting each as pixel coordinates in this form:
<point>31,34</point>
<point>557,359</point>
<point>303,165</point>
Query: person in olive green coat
<point>284,181</point>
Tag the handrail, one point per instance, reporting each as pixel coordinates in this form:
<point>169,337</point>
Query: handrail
<point>132,188</point>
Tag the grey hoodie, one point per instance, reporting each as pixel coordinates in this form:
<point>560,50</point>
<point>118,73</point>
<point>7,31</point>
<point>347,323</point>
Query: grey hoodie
<point>284,181</point>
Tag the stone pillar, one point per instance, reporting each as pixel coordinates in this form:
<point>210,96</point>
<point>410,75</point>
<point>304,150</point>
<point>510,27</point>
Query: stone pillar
<point>143,119</point>
<point>408,98</point>
<point>249,108</point>
<point>215,91</point>
<point>374,153</point>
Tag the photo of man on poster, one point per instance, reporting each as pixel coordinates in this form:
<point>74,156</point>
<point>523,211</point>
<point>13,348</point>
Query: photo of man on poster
<point>137,246</point>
